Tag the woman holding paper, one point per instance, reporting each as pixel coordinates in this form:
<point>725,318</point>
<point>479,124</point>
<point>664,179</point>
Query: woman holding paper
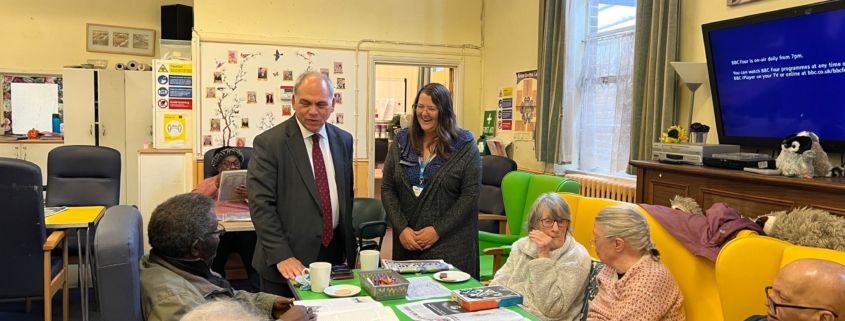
<point>548,267</point>
<point>431,183</point>
<point>229,158</point>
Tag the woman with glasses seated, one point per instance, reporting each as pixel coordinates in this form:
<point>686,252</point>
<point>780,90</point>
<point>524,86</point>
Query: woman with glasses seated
<point>226,159</point>
<point>548,267</point>
<point>633,285</point>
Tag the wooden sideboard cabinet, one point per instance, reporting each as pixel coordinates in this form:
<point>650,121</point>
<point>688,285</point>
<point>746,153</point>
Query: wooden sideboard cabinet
<point>749,193</point>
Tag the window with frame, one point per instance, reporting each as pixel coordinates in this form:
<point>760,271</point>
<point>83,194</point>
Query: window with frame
<point>603,86</point>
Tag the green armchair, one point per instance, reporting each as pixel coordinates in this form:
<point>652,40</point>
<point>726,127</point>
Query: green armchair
<point>519,190</point>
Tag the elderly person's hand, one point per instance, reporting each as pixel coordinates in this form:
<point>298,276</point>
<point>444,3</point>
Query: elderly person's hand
<point>543,243</point>
<point>217,180</point>
<point>282,305</point>
<point>296,313</point>
<point>426,237</point>
<point>241,191</point>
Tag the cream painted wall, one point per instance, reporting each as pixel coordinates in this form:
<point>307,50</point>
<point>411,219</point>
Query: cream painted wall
<point>342,24</point>
<point>698,12</point>
<point>510,46</point>
<point>49,34</point>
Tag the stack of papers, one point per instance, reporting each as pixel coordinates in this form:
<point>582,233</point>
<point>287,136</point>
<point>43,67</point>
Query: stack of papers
<point>50,211</point>
<point>362,308</point>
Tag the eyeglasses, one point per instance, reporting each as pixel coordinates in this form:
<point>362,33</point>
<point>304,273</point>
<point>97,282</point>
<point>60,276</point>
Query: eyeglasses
<point>235,164</point>
<point>430,109</point>
<point>593,241</point>
<point>773,307</point>
<point>547,222</point>
<point>220,230</point>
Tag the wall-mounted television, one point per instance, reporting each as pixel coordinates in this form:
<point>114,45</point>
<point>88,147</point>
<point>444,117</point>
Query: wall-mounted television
<point>778,73</point>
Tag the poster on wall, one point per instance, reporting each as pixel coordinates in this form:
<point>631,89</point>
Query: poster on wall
<point>526,105</point>
<point>248,89</point>
<point>174,99</point>
<point>174,128</point>
<point>489,123</point>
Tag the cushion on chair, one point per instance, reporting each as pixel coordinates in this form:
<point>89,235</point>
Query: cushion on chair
<point>55,266</point>
<point>592,287</point>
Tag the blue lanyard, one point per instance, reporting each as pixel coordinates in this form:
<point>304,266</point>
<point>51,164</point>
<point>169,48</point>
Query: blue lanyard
<point>424,162</point>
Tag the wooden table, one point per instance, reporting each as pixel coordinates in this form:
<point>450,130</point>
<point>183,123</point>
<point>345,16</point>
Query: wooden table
<point>238,226</point>
<point>749,193</point>
<point>79,218</point>
<point>471,283</point>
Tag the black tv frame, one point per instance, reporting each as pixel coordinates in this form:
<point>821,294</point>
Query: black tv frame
<point>835,146</point>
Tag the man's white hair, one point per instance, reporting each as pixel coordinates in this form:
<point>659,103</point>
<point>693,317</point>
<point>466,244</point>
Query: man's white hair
<point>225,310</point>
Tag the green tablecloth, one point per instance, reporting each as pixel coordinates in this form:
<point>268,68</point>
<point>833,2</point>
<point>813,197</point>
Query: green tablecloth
<point>471,283</point>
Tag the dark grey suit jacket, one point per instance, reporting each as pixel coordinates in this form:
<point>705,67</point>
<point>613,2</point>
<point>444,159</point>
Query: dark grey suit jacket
<point>284,202</point>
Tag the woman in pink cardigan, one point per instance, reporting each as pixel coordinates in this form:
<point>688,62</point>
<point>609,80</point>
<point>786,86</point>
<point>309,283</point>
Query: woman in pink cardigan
<point>225,159</point>
<point>633,285</point>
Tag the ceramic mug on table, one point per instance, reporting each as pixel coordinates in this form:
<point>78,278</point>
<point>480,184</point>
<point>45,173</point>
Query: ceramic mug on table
<point>369,260</point>
<point>320,275</point>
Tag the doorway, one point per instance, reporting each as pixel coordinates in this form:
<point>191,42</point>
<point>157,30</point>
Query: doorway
<point>393,90</point>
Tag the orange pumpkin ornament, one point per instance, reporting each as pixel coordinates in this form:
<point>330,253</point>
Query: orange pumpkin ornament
<point>32,133</point>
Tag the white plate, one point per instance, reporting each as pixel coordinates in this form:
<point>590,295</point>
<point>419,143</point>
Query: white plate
<point>451,276</point>
<point>332,290</point>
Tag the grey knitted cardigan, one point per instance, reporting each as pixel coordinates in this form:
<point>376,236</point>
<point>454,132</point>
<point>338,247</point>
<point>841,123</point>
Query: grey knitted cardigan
<point>449,203</point>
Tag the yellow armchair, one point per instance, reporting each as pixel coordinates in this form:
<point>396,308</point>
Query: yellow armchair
<point>695,275</point>
<point>746,265</point>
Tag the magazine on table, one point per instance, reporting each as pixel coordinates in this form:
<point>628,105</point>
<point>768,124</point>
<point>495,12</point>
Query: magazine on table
<point>50,211</point>
<point>444,310</point>
<point>340,305</point>
<point>371,314</point>
<point>229,180</point>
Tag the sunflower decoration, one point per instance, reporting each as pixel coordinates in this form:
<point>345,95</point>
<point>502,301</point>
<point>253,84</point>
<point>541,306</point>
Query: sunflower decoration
<point>674,134</point>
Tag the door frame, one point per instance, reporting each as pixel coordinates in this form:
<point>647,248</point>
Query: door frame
<point>457,98</point>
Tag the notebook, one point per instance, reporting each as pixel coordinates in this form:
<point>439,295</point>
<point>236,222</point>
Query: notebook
<point>50,211</point>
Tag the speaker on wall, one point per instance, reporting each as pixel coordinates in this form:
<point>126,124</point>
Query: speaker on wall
<point>176,22</point>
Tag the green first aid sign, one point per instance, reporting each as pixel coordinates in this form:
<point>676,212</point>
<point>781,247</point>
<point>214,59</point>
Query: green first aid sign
<point>489,122</point>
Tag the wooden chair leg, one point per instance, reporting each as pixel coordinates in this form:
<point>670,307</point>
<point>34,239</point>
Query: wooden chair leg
<point>28,305</point>
<point>65,291</point>
<point>48,307</point>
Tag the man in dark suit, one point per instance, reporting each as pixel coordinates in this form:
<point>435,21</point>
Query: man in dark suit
<point>300,189</point>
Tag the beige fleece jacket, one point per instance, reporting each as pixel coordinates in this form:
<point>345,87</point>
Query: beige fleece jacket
<point>553,288</point>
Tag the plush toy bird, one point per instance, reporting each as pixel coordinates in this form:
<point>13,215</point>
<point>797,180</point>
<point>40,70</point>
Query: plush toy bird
<point>796,157</point>
<point>821,163</point>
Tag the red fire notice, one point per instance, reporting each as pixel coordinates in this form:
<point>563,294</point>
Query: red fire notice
<point>181,104</point>
<point>506,124</point>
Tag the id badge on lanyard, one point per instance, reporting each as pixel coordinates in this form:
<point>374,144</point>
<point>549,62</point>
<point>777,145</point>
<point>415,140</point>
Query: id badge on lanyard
<point>418,189</point>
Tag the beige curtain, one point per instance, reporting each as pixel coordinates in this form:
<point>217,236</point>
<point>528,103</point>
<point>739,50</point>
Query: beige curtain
<point>550,75</point>
<point>656,44</point>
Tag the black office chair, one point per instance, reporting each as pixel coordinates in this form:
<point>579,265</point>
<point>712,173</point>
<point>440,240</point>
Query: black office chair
<point>83,176</point>
<point>119,245</point>
<point>490,201</point>
<point>24,241</point>
<point>381,150</point>
<point>209,171</point>
<point>369,222</point>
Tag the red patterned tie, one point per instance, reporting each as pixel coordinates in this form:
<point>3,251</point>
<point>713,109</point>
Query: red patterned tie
<point>323,187</point>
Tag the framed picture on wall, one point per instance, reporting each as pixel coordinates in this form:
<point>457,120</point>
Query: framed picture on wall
<point>738,2</point>
<point>120,40</point>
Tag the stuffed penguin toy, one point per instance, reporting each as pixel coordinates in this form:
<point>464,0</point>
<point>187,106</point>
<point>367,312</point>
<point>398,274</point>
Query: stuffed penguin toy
<point>807,227</point>
<point>796,156</point>
<point>821,163</point>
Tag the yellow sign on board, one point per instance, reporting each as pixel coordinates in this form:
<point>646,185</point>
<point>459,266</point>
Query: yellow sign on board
<point>174,128</point>
<point>181,69</point>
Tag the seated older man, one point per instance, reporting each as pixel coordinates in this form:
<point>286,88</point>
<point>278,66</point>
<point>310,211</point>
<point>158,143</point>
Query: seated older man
<point>806,290</point>
<point>176,276</point>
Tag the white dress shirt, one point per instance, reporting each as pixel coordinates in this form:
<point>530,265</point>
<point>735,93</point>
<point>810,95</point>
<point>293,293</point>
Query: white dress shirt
<point>327,159</point>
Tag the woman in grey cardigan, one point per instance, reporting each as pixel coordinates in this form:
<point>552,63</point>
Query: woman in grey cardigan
<point>431,183</point>
<point>548,267</point>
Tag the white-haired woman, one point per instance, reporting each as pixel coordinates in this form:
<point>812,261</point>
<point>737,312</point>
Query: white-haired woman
<point>633,285</point>
<point>548,267</point>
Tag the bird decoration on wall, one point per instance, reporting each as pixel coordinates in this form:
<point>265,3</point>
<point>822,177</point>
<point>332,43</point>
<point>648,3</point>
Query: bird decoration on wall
<point>278,54</point>
<point>276,74</point>
<point>310,54</point>
<point>218,63</point>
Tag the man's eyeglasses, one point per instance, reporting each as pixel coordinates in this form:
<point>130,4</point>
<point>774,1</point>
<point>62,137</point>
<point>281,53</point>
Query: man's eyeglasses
<point>430,109</point>
<point>547,222</point>
<point>593,241</point>
<point>220,230</point>
<point>234,164</point>
<point>773,307</point>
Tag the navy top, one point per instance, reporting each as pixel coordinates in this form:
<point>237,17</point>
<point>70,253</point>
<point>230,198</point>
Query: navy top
<point>410,160</point>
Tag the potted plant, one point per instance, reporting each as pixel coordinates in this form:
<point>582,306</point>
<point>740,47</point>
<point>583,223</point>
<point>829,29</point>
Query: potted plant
<point>698,133</point>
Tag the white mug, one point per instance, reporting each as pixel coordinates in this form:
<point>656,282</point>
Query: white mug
<point>369,260</point>
<point>320,275</point>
